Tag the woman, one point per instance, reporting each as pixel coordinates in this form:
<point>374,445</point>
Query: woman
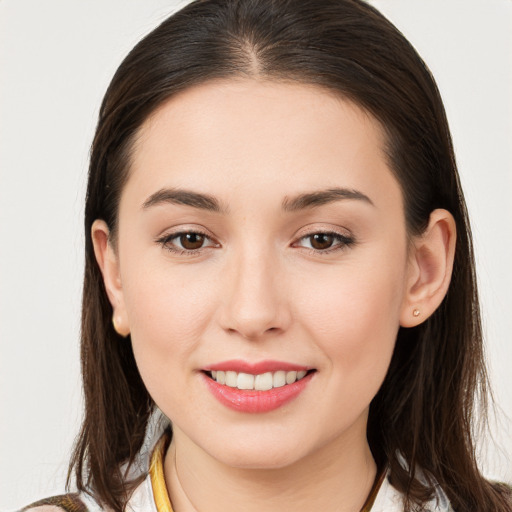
<point>278,258</point>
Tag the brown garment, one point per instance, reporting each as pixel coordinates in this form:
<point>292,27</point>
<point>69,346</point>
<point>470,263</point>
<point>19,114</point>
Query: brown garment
<point>66,502</point>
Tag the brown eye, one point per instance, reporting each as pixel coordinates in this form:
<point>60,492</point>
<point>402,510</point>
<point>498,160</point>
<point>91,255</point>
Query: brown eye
<point>325,242</point>
<point>187,242</point>
<point>321,241</point>
<point>191,241</point>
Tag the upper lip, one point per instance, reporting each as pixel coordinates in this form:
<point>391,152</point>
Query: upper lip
<point>255,368</point>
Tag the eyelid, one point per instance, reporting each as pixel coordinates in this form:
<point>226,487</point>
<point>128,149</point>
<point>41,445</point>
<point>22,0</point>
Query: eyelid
<point>313,229</point>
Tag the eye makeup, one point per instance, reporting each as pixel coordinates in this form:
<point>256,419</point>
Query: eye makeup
<point>192,241</point>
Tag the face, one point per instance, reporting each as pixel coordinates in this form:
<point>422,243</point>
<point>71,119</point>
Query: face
<point>261,237</point>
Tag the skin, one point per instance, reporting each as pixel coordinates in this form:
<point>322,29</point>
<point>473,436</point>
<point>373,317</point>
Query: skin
<point>258,290</point>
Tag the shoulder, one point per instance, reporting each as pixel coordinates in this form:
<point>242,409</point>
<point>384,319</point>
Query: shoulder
<point>389,499</point>
<point>141,500</point>
<point>65,502</point>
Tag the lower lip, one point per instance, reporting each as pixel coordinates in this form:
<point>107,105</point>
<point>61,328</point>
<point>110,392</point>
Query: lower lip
<point>256,401</point>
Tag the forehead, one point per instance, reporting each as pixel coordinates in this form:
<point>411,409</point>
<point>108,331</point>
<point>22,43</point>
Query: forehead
<point>247,133</point>
<point>206,109</point>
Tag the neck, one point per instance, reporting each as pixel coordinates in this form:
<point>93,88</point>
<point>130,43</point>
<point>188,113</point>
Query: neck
<point>336,478</point>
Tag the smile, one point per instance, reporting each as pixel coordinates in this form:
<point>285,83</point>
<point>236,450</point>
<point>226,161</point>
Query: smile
<point>260,382</point>
<point>256,387</point>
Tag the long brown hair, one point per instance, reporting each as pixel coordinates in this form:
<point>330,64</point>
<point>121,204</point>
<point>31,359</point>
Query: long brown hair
<point>422,417</point>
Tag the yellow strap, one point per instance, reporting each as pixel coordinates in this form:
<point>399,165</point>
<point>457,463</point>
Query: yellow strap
<point>156,471</point>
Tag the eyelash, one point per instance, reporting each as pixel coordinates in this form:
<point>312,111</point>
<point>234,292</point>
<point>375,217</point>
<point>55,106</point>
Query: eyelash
<point>166,242</point>
<point>342,242</point>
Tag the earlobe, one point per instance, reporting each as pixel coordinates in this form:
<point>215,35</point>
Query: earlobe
<point>108,262</point>
<point>430,269</point>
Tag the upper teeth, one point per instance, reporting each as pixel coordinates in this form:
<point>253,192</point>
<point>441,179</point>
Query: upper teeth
<point>261,382</point>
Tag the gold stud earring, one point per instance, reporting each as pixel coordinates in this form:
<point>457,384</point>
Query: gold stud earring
<point>416,312</point>
<point>116,328</point>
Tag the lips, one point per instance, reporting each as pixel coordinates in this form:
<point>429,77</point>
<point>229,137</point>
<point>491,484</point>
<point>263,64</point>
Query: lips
<point>256,387</point>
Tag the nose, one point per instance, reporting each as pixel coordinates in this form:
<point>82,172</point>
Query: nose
<point>255,303</point>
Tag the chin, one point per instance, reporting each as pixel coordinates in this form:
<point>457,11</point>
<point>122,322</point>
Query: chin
<point>258,460</point>
<point>258,452</point>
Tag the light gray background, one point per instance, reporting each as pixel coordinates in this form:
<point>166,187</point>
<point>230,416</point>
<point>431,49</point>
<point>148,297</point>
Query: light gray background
<point>56,59</point>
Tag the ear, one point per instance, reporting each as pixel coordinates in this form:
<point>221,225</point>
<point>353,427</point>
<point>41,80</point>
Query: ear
<point>108,262</point>
<point>430,269</point>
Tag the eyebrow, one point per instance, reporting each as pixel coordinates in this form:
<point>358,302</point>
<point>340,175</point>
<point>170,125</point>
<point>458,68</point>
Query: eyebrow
<point>184,197</point>
<point>212,204</point>
<point>321,197</point>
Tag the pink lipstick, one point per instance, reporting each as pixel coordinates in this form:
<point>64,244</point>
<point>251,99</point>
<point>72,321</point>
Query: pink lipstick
<point>256,387</point>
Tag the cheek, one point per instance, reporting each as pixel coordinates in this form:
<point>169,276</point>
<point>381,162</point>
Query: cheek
<point>354,317</point>
<point>167,311</point>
